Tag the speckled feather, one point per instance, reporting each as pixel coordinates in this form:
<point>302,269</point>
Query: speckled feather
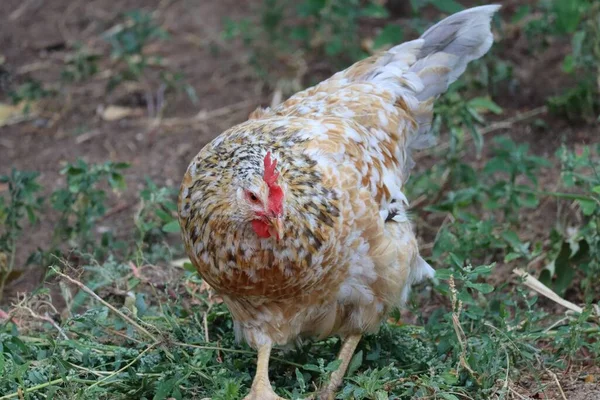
<point>343,149</point>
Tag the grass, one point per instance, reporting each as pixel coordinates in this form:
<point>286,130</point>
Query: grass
<point>127,318</point>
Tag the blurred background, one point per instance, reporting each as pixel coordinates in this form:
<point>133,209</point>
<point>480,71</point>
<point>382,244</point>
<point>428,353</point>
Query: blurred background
<point>103,104</point>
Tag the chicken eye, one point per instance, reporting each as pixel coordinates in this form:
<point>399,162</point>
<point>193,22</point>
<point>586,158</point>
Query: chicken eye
<point>252,197</point>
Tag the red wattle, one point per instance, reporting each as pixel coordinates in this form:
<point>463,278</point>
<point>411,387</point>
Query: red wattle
<point>261,228</point>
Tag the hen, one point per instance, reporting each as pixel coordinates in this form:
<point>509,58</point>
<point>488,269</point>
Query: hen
<point>297,217</point>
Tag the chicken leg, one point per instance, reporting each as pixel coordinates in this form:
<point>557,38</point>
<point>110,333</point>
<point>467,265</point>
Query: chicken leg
<point>261,387</point>
<point>346,353</point>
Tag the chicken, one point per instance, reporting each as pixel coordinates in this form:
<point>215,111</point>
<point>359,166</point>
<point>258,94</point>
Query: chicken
<point>297,217</point>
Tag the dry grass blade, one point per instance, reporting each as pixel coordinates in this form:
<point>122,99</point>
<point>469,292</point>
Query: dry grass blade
<point>203,116</point>
<point>147,349</point>
<point>109,306</point>
<point>545,291</point>
<point>553,375</point>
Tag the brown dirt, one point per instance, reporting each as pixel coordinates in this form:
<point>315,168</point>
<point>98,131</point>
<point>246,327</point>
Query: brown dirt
<point>37,37</point>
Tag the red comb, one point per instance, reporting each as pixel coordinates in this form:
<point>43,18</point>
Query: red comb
<point>270,176</point>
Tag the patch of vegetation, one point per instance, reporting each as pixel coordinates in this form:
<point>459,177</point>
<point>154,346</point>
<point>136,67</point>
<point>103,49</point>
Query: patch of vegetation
<point>578,21</point>
<point>288,37</point>
<point>155,332</point>
<point>81,66</point>
<point>129,41</point>
<point>30,92</point>
<point>82,203</point>
<point>19,203</point>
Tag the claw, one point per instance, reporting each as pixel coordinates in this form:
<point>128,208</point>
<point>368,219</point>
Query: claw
<point>263,393</point>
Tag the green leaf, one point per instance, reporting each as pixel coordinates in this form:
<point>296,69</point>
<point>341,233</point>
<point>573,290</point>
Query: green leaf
<point>563,270</point>
<point>449,377</point>
<point>483,269</point>
<point>496,164</point>
<point>596,189</point>
<point>164,216</point>
<point>116,181</point>
<point>568,64</point>
<point>165,388</point>
<point>171,227</point>
<point>577,43</point>
<point>189,267</point>
<point>512,239</point>
<point>300,379</point>
<point>484,288</point>
<point>443,274</point>
<point>355,363</point>
<point>456,260</point>
<point>140,305</point>
<point>485,104</point>
<point>333,366</point>
<point>512,256</point>
<point>588,206</point>
<point>311,367</point>
<point>530,200</point>
<point>390,34</point>
<point>568,14</point>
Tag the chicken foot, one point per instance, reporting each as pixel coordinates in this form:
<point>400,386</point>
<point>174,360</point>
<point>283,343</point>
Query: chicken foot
<point>261,386</point>
<point>346,353</point>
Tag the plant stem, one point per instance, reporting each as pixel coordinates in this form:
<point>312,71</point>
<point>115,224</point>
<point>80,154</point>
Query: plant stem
<point>44,385</point>
<point>105,303</point>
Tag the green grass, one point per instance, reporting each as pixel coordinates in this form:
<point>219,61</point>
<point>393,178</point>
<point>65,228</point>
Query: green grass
<point>139,323</point>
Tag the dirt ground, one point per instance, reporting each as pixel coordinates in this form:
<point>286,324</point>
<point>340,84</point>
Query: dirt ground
<point>37,37</point>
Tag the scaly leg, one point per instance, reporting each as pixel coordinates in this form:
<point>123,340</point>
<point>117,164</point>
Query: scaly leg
<point>261,387</point>
<point>346,353</point>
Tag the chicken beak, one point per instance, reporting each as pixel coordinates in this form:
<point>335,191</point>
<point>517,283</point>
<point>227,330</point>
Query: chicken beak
<point>277,227</point>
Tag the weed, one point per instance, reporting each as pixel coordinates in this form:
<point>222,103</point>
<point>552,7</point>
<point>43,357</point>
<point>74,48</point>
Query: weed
<point>580,21</point>
<point>30,92</point>
<point>20,203</point>
<point>129,41</point>
<point>82,202</point>
<point>460,117</point>
<point>82,66</point>
<point>287,33</point>
<point>577,253</point>
<point>155,218</point>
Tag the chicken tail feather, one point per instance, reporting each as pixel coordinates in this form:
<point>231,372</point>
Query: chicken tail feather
<point>421,70</point>
<point>449,46</point>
